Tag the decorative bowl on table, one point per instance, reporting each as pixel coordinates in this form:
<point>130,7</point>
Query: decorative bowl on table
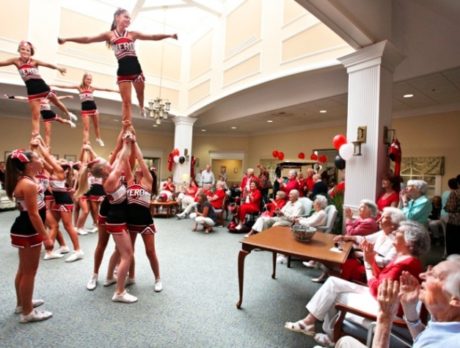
<point>303,233</point>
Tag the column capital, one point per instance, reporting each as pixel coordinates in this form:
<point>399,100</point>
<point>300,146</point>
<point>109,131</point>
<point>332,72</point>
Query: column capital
<point>184,121</point>
<point>382,53</point>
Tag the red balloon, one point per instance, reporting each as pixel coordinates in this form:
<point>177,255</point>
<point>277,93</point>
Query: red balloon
<point>323,159</point>
<point>314,157</point>
<point>275,153</point>
<point>338,141</point>
<point>281,155</point>
<point>301,155</point>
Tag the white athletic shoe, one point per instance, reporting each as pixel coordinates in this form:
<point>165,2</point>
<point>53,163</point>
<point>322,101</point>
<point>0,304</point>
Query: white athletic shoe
<point>72,124</point>
<point>52,255</point>
<point>72,116</point>
<point>81,231</point>
<point>100,142</point>
<point>35,303</point>
<point>92,230</point>
<point>124,297</point>
<point>109,282</point>
<point>92,283</point>
<point>35,315</point>
<point>63,250</point>
<point>158,285</point>
<point>77,255</point>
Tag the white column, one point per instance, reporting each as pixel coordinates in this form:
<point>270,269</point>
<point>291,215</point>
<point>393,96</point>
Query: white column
<point>370,80</point>
<point>183,135</point>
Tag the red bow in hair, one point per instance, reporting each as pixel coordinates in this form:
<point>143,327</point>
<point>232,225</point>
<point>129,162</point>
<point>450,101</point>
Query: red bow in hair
<point>19,154</point>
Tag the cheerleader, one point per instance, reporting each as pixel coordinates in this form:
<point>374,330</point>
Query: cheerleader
<point>28,230</point>
<point>129,72</point>
<point>36,87</point>
<point>115,211</point>
<point>88,106</point>
<point>139,218</point>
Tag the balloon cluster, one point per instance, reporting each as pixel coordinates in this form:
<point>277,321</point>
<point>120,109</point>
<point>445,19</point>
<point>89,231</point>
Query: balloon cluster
<point>174,158</point>
<point>316,157</point>
<point>278,154</point>
<point>345,150</point>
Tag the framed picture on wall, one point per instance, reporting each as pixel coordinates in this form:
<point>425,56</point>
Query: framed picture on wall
<point>70,158</point>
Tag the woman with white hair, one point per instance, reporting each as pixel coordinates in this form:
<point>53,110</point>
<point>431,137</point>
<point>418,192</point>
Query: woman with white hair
<point>416,205</point>
<point>318,218</point>
<point>365,223</point>
<point>411,240</point>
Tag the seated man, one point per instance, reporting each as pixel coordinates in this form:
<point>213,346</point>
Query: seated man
<point>365,223</point>
<point>439,292</point>
<point>283,217</point>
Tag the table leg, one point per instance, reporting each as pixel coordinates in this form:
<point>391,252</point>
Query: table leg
<point>241,256</point>
<point>274,266</point>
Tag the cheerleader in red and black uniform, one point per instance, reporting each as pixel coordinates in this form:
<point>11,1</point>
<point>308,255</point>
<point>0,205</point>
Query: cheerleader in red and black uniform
<point>115,211</point>
<point>139,217</point>
<point>63,205</point>
<point>129,70</point>
<point>28,230</point>
<point>88,106</point>
<point>36,87</point>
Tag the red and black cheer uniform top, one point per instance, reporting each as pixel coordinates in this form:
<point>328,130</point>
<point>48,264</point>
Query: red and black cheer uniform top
<point>44,182</point>
<point>62,199</point>
<point>129,68</point>
<point>36,87</point>
<point>117,211</point>
<point>139,217</point>
<point>47,114</point>
<point>88,105</point>
<point>22,231</point>
<point>96,191</point>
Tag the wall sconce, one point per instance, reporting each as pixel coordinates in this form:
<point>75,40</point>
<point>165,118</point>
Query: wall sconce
<point>186,155</point>
<point>360,139</point>
<point>388,135</point>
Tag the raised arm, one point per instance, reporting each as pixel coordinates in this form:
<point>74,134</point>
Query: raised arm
<point>154,37</point>
<point>146,175</point>
<point>86,39</point>
<point>55,166</point>
<point>118,166</point>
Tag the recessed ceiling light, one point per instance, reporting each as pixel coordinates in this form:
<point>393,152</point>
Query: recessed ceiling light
<point>233,127</point>
<point>322,111</point>
<point>269,121</point>
<point>203,130</point>
<point>408,95</point>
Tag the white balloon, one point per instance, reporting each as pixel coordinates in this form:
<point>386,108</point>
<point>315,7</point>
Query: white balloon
<point>176,159</point>
<point>346,151</point>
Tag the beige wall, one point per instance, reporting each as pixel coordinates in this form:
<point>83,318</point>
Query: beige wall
<point>14,19</point>
<point>234,169</point>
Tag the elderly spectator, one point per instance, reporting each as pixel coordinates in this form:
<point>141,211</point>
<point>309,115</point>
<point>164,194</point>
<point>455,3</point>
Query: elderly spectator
<point>291,184</point>
<point>207,177</point>
<point>384,251</point>
<point>187,196</point>
<point>390,195</point>
<point>251,206</point>
<point>264,182</point>
<point>439,292</point>
<point>192,206</point>
<point>319,188</point>
<point>275,204</point>
<point>216,198</point>
<point>452,207</point>
<point>318,218</point>
<point>168,188</point>
<point>309,181</point>
<point>245,186</point>
<point>416,205</point>
<point>411,241</point>
<point>365,223</point>
<point>204,215</point>
<point>284,216</point>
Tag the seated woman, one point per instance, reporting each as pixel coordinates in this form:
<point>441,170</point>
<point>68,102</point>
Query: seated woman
<point>365,223</point>
<point>411,241</point>
<point>384,252</point>
<point>187,196</point>
<point>168,188</point>
<point>275,204</point>
<point>319,217</point>
<point>251,204</point>
<point>217,197</point>
<point>204,215</point>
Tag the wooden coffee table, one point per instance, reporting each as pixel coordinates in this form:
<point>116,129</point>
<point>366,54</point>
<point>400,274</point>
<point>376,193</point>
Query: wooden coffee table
<point>166,209</point>
<point>281,240</point>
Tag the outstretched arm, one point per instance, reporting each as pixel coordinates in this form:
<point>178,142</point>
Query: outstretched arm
<point>16,97</point>
<point>86,39</point>
<point>65,97</point>
<point>154,37</point>
<point>65,87</point>
<point>7,62</point>
<point>51,66</point>
<point>106,89</point>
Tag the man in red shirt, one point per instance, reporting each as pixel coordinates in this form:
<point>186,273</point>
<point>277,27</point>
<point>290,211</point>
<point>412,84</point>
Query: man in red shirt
<point>292,183</point>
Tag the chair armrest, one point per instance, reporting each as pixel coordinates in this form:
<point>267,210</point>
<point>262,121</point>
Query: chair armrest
<point>347,309</point>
